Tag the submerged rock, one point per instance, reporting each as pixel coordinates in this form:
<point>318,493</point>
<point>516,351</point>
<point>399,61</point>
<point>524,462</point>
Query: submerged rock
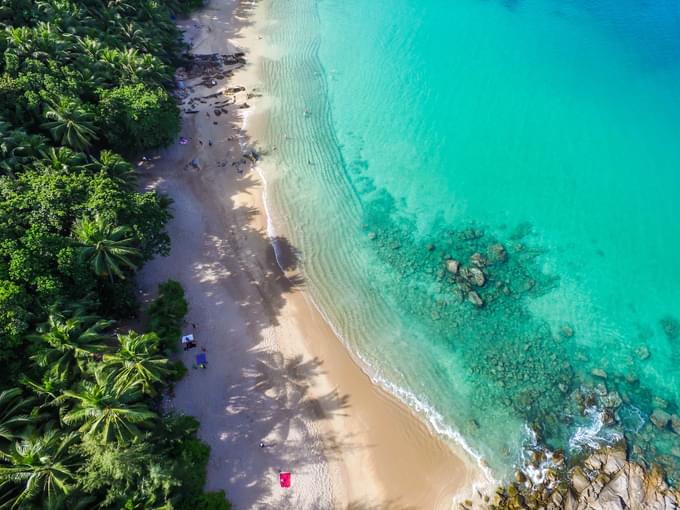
<point>474,298</point>
<point>642,352</point>
<point>670,326</point>
<point>598,372</point>
<point>476,276</point>
<point>498,253</point>
<point>452,266</point>
<point>612,400</point>
<point>675,423</point>
<point>566,331</point>
<point>660,418</point>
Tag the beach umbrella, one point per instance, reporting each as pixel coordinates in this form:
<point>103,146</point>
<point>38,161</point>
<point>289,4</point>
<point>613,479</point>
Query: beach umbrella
<point>284,479</point>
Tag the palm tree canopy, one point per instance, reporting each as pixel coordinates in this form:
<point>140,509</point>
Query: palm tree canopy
<point>68,343</point>
<point>38,467</point>
<point>104,412</point>
<point>70,124</point>
<point>107,247</point>
<point>136,362</point>
<point>13,417</point>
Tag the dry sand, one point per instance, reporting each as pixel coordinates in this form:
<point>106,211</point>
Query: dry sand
<point>276,372</point>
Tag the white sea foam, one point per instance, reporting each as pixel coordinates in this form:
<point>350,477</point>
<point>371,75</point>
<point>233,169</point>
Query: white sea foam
<point>594,434</point>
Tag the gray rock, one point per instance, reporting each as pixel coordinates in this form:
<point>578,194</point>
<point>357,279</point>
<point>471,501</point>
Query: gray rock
<point>675,423</point>
<point>452,266</point>
<point>478,260</point>
<point>598,372</point>
<point>660,418</point>
<point>498,253</point>
<point>476,276</point>
<point>612,400</point>
<point>474,298</point>
<point>566,331</point>
<point>579,480</point>
<point>642,352</point>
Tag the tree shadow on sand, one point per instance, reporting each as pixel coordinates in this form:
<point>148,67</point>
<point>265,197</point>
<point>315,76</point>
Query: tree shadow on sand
<point>274,396</point>
<point>230,267</point>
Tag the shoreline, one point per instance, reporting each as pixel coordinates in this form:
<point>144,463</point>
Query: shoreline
<point>304,395</point>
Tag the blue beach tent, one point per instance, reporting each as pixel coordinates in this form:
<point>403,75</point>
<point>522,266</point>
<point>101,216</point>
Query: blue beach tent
<point>201,360</point>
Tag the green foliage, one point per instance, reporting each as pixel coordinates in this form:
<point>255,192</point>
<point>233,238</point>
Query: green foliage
<point>109,249</point>
<point>167,313</point>
<point>125,473</point>
<point>209,501</point>
<point>14,314</point>
<point>78,81</point>
<point>137,117</point>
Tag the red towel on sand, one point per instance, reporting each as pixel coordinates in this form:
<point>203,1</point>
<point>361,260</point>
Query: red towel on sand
<point>284,479</point>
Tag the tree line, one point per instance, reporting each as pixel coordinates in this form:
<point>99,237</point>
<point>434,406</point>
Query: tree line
<point>84,88</point>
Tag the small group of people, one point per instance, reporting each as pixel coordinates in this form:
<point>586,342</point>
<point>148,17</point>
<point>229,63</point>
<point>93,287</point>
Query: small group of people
<point>189,342</point>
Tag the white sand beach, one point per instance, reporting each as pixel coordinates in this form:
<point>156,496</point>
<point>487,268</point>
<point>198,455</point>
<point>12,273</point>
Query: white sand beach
<point>276,372</point>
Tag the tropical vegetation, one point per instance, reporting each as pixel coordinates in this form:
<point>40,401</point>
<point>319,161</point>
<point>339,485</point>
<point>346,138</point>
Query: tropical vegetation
<point>84,89</point>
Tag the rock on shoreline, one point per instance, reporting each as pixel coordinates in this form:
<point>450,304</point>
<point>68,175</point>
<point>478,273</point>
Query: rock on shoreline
<point>605,480</point>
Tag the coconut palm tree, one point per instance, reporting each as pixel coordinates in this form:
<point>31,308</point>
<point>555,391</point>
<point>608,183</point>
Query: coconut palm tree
<point>117,169</point>
<point>62,159</point>
<point>108,248</point>
<point>17,148</point>
<point>69,343</point>
<point>70,124</point>
<point>39,468</point>
<point>13,417</point>
<point>104,412</point>
<point>136,363</point>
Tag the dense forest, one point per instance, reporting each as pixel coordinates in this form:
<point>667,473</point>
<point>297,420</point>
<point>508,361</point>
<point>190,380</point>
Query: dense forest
<point>83,90</point>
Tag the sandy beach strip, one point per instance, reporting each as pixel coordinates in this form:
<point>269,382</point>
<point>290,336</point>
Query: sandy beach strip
<point>276,372</point>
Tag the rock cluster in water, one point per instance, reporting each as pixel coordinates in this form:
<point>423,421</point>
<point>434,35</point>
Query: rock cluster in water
<point>605,480</point>
<point>470,289</point>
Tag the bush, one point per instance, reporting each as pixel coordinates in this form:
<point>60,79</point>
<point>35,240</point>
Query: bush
<point>178,371</point>
<point>167,313</point>
<point>138,117</point>
<point>211,501</point>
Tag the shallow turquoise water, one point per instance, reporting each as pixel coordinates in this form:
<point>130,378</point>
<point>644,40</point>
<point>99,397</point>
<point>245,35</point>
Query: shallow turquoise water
<point>542,135</point>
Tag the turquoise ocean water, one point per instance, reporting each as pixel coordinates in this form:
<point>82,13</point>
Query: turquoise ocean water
<point>536,143</point>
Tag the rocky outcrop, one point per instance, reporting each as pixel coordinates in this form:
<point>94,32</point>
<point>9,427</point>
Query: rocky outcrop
<point>606,480</point>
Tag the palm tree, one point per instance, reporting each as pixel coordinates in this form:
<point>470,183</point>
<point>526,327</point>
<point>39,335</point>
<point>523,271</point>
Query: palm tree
<point>38,466</point>
<point>117,169</point>
<point>12,413</point>
<point>17,148</point>
<point>62,159</point>
<point>70,124</point>
<point>136,362</point>
<point>108,248</point>
<point>67,343</point>
<point>105,413</point>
